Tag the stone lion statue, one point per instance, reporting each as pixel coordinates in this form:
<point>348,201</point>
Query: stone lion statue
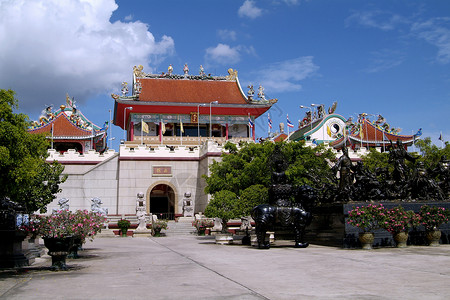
<point>96,206</point>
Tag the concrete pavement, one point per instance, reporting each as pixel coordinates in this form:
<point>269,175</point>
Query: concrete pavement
<point>191,267</point>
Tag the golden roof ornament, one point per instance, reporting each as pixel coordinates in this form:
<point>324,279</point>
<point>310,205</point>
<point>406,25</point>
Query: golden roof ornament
<point>233,74</point>
<point>138,71</point>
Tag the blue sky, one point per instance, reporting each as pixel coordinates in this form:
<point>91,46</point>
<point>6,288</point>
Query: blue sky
<point>378,57</point>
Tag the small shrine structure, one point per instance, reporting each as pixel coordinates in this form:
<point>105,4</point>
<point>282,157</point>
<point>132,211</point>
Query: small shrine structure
<point>319,126</point>
<point>67,128</point>
<point>372,134</point>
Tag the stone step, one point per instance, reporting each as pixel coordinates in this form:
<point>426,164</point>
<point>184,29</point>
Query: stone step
<point>179,228</point>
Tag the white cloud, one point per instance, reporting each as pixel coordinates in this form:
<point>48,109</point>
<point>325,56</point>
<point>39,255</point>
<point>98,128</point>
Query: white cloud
<point>50,47</point>
<point>223,54</point>
<point>376,19</point>
<point>385,59</point>
<point>226,34</point>
<point>249,9</point>
<point>128,18</point>
<point>285,76</point>
<point>436,32</point>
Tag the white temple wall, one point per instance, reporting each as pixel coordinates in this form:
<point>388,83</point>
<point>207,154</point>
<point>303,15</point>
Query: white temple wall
<point>80,187</point>
<point>138,176</point>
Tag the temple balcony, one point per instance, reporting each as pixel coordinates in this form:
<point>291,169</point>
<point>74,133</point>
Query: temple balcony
<point>185,140</point>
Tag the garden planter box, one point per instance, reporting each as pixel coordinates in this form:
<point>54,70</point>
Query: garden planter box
<point>129,232</point>
<point>329,226</point>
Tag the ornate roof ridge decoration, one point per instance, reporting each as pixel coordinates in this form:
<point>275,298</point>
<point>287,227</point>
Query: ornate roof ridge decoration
<point>365,131</point>
<point>139,74</point>
<point>72,114</point>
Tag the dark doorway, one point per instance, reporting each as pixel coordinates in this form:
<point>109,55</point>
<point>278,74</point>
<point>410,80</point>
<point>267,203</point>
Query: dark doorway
<point>162,202</point>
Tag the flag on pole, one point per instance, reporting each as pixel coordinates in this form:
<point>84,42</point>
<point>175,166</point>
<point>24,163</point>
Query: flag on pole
<point>440,137</point>
<point>289,124</point>
<point>269,121</point>
<point>163,127</point>
<point>250,122</point>
<point>144,126</point>
<point>181,127</point>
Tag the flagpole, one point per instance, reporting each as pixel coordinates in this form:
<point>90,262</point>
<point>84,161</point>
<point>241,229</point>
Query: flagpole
<point>52,135</point>
<point>181,130</point>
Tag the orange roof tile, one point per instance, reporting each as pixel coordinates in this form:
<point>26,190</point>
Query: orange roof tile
<point>62,127</point>
<point>191,91</point>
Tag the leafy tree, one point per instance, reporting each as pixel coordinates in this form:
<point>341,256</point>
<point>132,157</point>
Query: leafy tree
<point>431,153</point>
<point>375,159</point>
<point>247,171</point>
<point>25,177</point>
<point>223,205</point>
<point>252,196</point>
<point>240,169</point>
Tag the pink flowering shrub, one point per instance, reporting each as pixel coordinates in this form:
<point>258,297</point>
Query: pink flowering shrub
<point>431,217</point>
<point>398,220</point>
<point>367,218</point>
<point>203,223</point>
<point>82,224</point>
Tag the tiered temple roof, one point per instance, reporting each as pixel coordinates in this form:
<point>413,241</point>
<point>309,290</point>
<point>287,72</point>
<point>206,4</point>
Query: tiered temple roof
<point>69,126</point>
<point>168,94</point>
<point>366,133</point>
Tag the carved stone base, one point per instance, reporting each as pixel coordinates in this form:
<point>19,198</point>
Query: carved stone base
<point>224,238</point>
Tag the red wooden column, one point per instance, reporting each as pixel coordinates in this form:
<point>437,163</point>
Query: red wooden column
<point>131,131</point>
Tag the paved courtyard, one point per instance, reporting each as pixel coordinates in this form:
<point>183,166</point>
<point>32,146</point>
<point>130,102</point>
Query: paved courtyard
<point>193,267</point>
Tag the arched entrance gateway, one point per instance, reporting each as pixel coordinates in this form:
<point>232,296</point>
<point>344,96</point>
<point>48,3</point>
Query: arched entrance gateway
<point>161,200</point>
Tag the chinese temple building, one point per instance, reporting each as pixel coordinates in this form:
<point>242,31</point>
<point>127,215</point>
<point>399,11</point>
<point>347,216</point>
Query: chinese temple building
<point>68,128</point>
<point>176,126</point>
<point>321,127</point>
<point>372,134</point>
<point>187,109</point>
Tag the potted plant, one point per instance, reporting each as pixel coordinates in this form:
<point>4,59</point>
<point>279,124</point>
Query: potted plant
<point>201,224</point>
<point>123,225</point>
<point>157,225</point>
<point>367,218</point>
<point>223,205</point>
<point>57,231</point>
<point>431,217</point>
<point>398,222</point>
<point>86,226</point>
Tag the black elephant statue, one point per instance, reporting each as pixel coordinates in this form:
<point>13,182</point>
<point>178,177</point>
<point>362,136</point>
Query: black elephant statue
<point>296,217</point>
<point>289,206</point>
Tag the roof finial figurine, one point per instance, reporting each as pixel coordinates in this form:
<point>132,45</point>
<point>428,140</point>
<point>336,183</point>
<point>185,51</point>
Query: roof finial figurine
<point>261,95</point>
<point>202,71</point>
<point>170,70</point>
<point>137,87</point>
<point>251,92</point>
<point>124,88</point>
<point>138,71</point>
<point>186,70</point>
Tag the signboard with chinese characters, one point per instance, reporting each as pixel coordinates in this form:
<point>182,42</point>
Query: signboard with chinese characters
<point>162,171</point>
<point>194,117</point>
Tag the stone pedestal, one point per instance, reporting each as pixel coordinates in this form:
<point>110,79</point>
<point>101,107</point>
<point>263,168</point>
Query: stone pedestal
<point>11,252</point>
<point>224,238</point>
